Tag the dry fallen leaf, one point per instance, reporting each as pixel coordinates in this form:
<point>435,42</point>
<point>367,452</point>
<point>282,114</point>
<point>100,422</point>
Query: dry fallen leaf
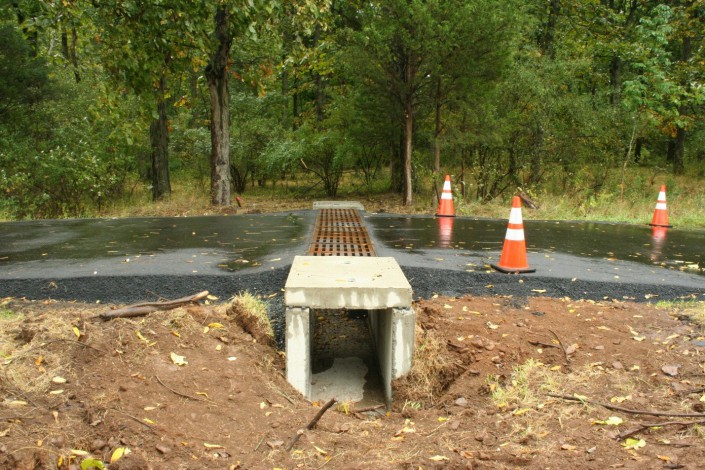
<point>178,360</point>
<point>439,458</point>
<point>118,453</point>
<point>633,443</point>
<point>212,446</point>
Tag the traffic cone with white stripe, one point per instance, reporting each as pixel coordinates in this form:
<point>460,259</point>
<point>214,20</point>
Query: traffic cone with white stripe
<point>660,218</point>
<point>513,259</point>
<point>445,206</point>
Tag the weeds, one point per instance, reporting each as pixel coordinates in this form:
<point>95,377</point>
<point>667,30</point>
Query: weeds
<point>250,313</point>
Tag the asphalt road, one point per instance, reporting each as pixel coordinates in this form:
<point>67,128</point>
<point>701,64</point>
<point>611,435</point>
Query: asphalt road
<point>132,260</point>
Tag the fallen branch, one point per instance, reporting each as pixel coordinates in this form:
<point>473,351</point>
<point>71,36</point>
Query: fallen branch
<point>142,309</point>
<point>545,345</point>
<point>134,418</point>
<point>369,408</point>
<point>560,343</point>
<point>311,424</point>
<point>176,392</point>
<point>627,410</point>
<point>644,427</point>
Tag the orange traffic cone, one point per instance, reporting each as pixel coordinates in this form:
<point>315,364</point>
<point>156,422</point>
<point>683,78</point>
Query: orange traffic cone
<point>513,259</point>
<point>660,218</point>
<point>445,207</point>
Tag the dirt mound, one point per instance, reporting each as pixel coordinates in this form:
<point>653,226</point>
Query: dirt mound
<point>498,383</point>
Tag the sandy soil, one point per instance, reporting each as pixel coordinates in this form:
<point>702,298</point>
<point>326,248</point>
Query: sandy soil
<point>483,394</point>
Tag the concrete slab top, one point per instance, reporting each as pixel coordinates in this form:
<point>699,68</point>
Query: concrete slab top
<point>338,205</point>
<point>347,282</point>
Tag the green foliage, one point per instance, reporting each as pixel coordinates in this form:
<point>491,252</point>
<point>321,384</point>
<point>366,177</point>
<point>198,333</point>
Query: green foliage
<point>255,126</point>
<point>24,79</point>
<point>550,96</point>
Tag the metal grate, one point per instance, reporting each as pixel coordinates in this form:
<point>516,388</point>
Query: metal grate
<point>340,232</point>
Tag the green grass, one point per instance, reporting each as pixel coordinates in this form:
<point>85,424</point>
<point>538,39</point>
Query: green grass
<point>556,200</point>
<point>692,309</point>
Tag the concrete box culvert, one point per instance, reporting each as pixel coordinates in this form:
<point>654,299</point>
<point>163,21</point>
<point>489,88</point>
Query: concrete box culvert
<point>373,289</point>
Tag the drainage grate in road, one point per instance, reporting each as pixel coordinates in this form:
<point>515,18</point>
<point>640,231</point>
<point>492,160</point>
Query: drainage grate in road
<point>340,232</point>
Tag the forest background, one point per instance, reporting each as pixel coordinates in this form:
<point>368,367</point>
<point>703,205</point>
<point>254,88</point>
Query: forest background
<point>109,107</point>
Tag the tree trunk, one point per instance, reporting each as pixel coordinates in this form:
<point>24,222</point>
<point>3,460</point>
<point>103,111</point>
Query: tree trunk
<point>408,132</point>
<point>678,151</point>
<point>69,52</point>
<point>217,76</point>
<point>615,80</point>
<point>159,136</point>
<point>320,95</point>
<point>550,29</point>
<point>287,41</point>
<point>438,129</point>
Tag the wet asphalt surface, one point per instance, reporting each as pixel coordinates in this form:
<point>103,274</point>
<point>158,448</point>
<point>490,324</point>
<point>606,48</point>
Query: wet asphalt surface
<point>146,259</point>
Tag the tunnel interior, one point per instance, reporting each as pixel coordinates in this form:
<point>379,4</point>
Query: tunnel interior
<point>344,359</point>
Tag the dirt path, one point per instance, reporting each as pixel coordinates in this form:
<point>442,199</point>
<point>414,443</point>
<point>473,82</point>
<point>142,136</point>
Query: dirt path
<point>478,397</point>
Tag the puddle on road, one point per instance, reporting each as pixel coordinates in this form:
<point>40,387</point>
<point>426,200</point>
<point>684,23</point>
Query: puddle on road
<point>239,241</point>
<point>673,248</point>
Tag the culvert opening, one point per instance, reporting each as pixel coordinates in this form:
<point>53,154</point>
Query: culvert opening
<point>344,358</point>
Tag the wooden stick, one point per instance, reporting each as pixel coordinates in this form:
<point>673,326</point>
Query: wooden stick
<point>142,309</point>
<point>565,354</point>
<point>368,408</point>
<point>311,423</point>
<point>645,426</point>
<point>179,393</point>
<point>627,410</point>
<point>545,345</point>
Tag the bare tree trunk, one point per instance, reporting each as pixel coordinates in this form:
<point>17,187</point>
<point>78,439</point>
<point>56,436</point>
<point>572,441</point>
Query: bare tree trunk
<point>408,132</point>
<point>438,129</point>
<point>69,51</point>
<point>678,151</point>
<point>217,75</point>
<point>546,41</point>
<point>159,136</point>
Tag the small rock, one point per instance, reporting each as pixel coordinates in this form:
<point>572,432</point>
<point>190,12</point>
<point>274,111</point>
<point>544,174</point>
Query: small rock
<point>617,365</point>
<point>98,444</point>
<point>122,388</point>
<point>480,437</point>
<point>57,441</point>
<point>520,324</point>
<point>598,347</point>
<point>478,343</point>
<point>275,443</point>
<point>275,424</point>
<point>538,314</point>
<point>497,360</point>
<point>670,370</point>
<point>699,407</point>
<point>454,425</point>
<point>591,449</point>
<point>490,345</point>
<point>163,449</point>
<point>461,401</point>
